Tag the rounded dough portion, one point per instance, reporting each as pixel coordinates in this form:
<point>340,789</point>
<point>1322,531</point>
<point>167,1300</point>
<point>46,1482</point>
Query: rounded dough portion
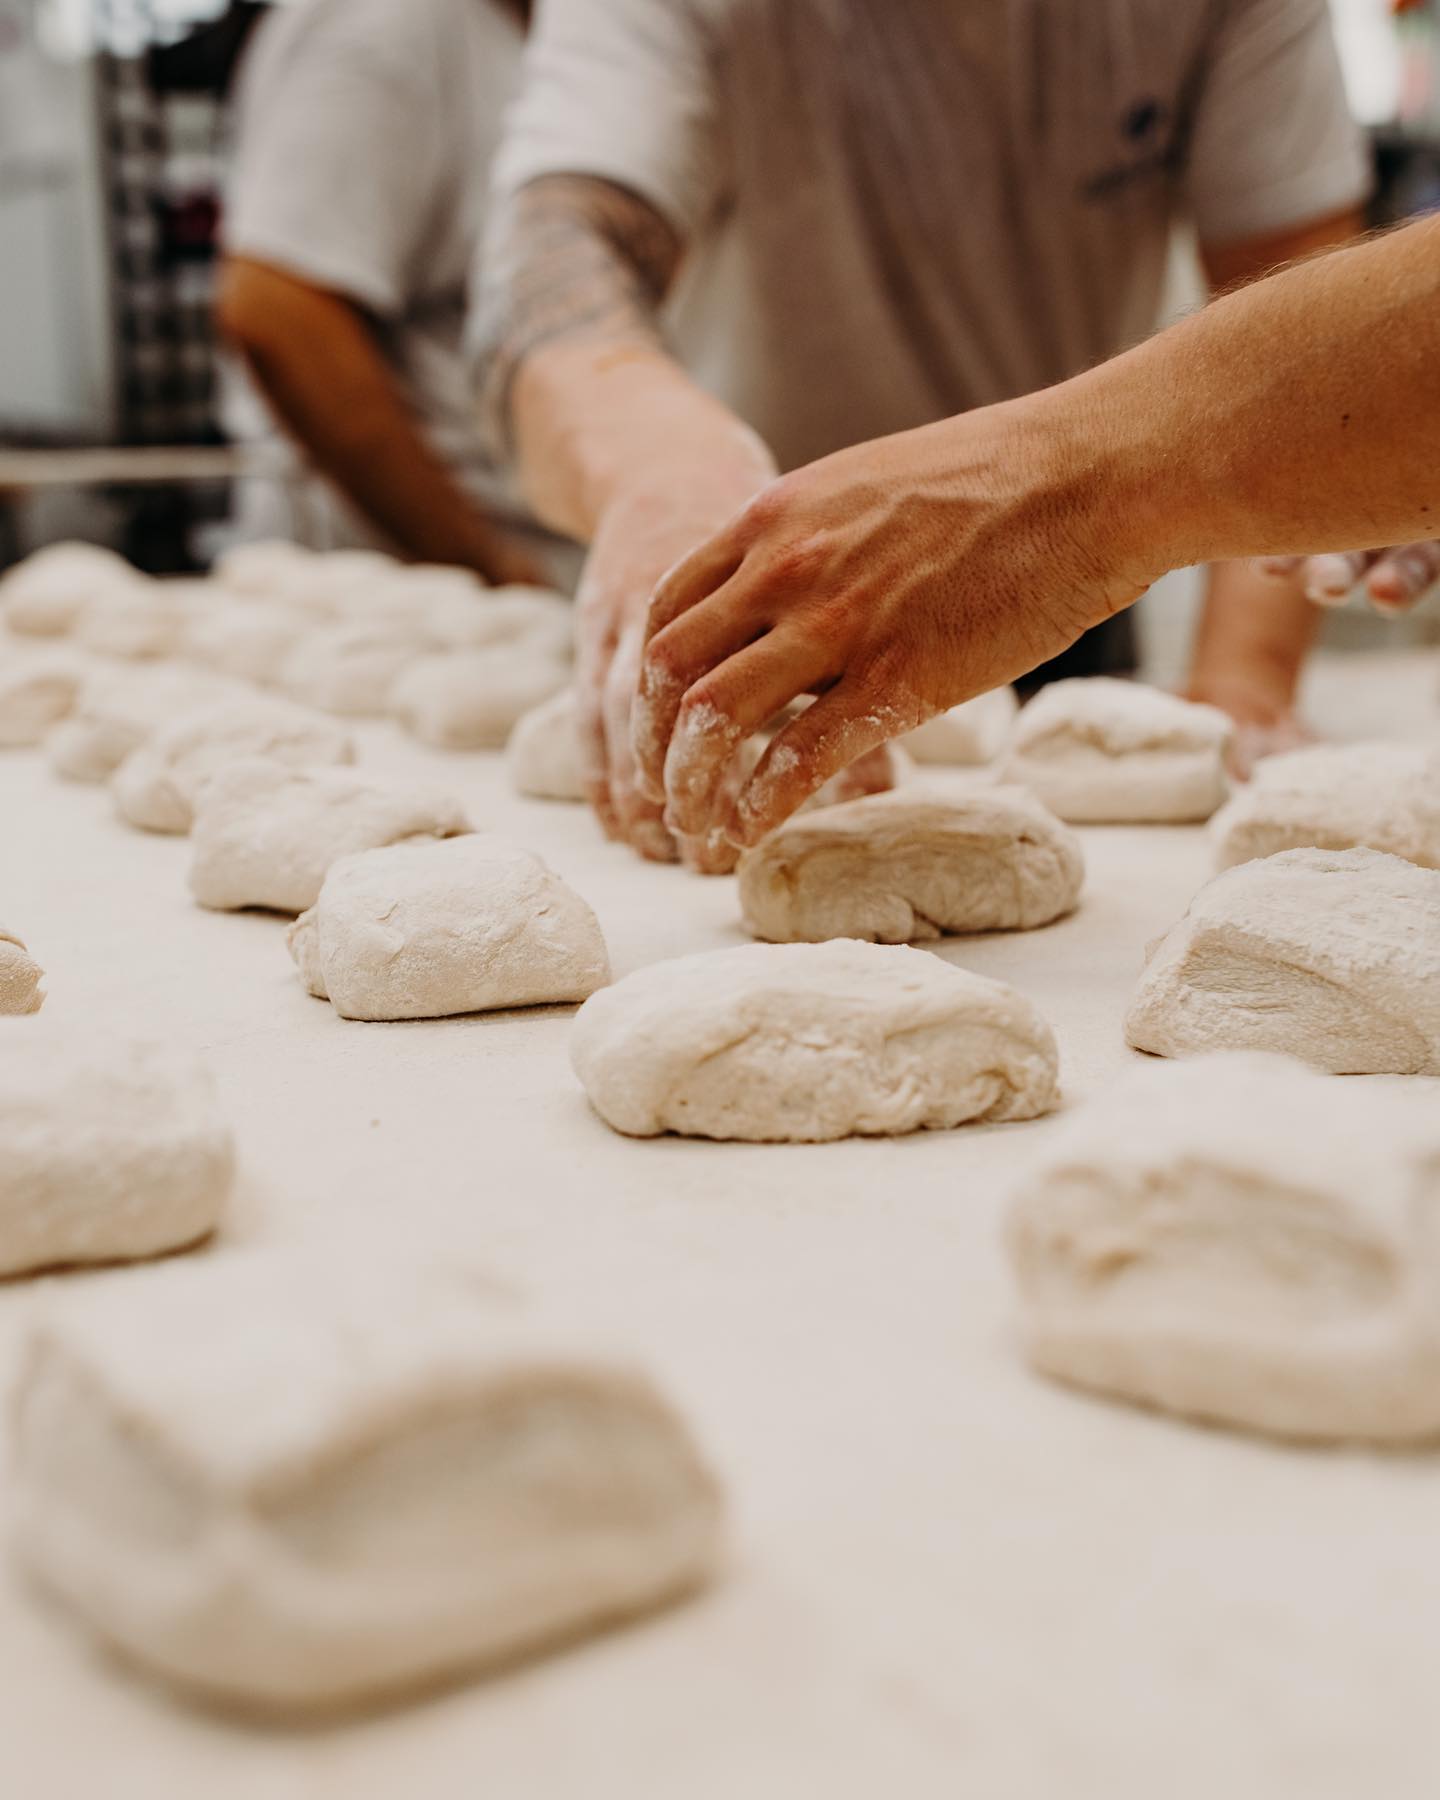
<point>156,788</point>
<point>804,1043</point>
<point>898,867</point>
<point>967,735</point>
<point>142,621</point>
<point>350,669</point>
<point>1102,751</point>
<point>265,835</point>
<point>110,1148</point>
<point>246,639</point>
<point>543,754</point>
<point>116,713</point>
<point>1336,797</point>
<point>1329,956</point>
<point>424,931</point>
<point>533,618</point>
<point>269,569</point>
<point>44,595</point>
<point>20,977</point>
<point>473,699</point>
<point>36,692</point>
<point>1241,1240</point>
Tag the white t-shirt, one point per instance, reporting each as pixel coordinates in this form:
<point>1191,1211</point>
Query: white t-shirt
<point>899,209</point>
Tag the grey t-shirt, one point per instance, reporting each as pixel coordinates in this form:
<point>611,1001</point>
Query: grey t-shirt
<point>899,209</point>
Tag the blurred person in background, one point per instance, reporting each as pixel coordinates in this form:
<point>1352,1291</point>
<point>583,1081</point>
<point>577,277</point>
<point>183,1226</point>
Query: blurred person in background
<point>734,236</point>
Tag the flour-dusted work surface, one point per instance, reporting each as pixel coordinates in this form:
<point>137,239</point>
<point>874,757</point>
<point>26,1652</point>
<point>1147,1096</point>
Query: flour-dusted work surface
<point>944,1576</point>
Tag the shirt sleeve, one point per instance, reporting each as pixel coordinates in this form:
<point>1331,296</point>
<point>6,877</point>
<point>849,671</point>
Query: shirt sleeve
<point>625,90</point>
<point>1273,143</point>
<point>338,156</point>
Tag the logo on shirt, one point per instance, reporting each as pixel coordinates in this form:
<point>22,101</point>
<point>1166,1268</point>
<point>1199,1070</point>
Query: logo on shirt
<point>1148,150</point>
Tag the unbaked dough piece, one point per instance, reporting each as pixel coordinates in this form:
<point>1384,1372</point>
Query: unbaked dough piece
<point>967,735</point>
<point>804,1043</point>
<point>1100,751</point>
<point>20,977</point>
<point>138,622</point>
<point>473,699</point>
<point>157,786</point>
<point>1332,956</point>
<point>543,754</point>
<point>249,640</point>
<point>296,1485</point>
<point>423,931</point>
<point>350,669</point>
<point>324,584</point>
<point>44,595</point>
<point>116,712</point>
<point>111,1148</point>
<point>1336,797</point>
<point>535,618</point>
<point>267,570</point>
<point>1241,1240</point>
<point>36,692</point>
<point>265,835</point>
<point>898,867</point>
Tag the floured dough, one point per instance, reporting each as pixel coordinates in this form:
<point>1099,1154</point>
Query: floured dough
<point>36,692</point>
<point>1329,955</point>
<point>898,867</point>
<point>1336,797</point>
<point>350,669</point>
<point>44,595</point>
<point>265,835</point>
<point>110,1148</point>
<point>248,639</point>
<point>117,712</point>
<point>543,754</point>
<point>297,1485</point>
<point>326,581</point>
<point>804,1043</point>
<point>1241,1240</point>
<point>534,618</point>
<point>141,621</point>
<point>1101,751</point>
<point>473,699</point>
<point>967,735</point>
<point>157,786</point>
<point>20,977</point>
<point>422,931</point>
<point>267,570</point>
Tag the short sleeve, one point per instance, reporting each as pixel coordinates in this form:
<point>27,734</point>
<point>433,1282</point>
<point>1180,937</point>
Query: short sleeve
<point>1273,143</point>
<point>338,153</point>
<point>624,90</point>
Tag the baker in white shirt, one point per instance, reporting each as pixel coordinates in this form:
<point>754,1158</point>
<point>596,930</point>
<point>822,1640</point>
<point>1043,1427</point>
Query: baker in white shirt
<point>731,236</point>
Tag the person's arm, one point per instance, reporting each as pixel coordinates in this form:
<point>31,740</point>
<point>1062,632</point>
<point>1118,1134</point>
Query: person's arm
<point>314,356</point>
<point>1296,415</point>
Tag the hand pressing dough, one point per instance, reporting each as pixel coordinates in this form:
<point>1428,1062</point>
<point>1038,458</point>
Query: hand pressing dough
<point>1100,751</point>
<point>1332,956</point>
<point>967,735</point>
<point>1240,1240</point>
<point>20,977</point>
<point>899,867</point>
<point>294,1486</point>
<point>117,712</point>
<point>110,1148</point>
<point>44,595</point>
<point>36,692</point>
<point>265,835</point>
<point>543,754</point>
<point>473,699</point>
<point>423,931</point>
<point>804,1043</point>
<point>1336,797</point>
<point>248,640</point>
<point>157,786</point>
<point>350,669</point>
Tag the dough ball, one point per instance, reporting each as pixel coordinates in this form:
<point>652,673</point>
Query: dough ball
<point>1240,1240</point>
<point>350,669</point>
<point>36,692</point>
<point>1099,751</point>
<point>142,621</point>
<point>543,754</point>
<point>325,583</point>
<point>265,835</point>
<point>1336,797</point>
<point>803,1043</point>
<point>422,931</point>
<point>1332,956</point>
<point>157,786</point>
<point>966,735</point>
<point>45,595</point>
<point>295,1486</point>
<point>110,1148</point>
<point>20,978</point>
<point>898,867</point>
<point>490,618</point>
<point>268,570</point>
<point>473,699</point>
<point>116,712</point>
<point>248,640</point>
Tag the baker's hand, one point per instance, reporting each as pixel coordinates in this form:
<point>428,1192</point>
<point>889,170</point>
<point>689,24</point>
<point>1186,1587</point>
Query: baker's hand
<point>1394,580</point>
<point>893,580</point>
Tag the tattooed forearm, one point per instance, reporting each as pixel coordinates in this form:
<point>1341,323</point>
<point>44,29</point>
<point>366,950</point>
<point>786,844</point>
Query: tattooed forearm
<point>579,259</point>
